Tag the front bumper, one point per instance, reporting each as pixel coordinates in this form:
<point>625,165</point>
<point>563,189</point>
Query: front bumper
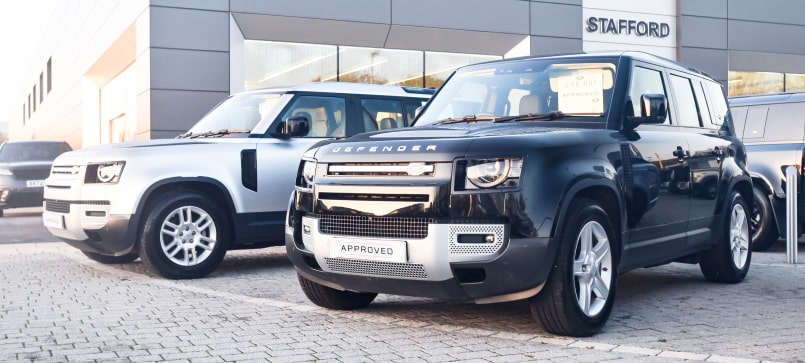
<point>437,266</point>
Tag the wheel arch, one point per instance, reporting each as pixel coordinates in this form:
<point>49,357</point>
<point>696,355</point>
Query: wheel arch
<point>602,191</point>
<point>207,186</point>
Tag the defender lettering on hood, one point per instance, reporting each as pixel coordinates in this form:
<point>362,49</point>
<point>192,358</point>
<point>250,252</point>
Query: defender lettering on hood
<point>382,149</point>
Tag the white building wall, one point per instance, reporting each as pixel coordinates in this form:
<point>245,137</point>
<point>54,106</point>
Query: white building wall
<point>80,33</point>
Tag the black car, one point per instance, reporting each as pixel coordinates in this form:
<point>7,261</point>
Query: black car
<point>773,129</point>
<point>533,178</point>
<point>24,166</point>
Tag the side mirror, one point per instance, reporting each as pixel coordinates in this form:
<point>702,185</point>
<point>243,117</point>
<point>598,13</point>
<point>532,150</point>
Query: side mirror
<point>653,110</point>
<point>292,127</point>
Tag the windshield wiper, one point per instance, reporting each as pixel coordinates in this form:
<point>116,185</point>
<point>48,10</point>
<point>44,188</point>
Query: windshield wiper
<point>468,119</point>
<point>553,115</point>
<point>222,132</point>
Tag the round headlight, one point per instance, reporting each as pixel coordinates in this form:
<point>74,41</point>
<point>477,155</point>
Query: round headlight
<point>487,173</point>
<point>309,172</point>
<point>109,172</point>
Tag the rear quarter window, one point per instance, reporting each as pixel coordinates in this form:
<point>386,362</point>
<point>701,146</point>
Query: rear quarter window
<point>784,122</point>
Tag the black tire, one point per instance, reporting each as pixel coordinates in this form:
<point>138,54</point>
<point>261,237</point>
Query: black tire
<point>764,230</point>
<point>1,212</point>
<point>178,247</point>
<point>559,305</point>
<point>729,259</point>
<point>111,260</point>
<point>335,299</point>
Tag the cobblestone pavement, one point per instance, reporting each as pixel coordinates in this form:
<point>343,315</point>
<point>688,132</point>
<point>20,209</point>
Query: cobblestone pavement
<point>58,305</point>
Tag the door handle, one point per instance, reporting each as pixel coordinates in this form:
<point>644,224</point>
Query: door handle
<point>681,154</point>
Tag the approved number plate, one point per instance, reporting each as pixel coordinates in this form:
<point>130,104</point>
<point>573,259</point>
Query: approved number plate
<point>373,250</point>
<point>53,220</point>
<point>34,183</point>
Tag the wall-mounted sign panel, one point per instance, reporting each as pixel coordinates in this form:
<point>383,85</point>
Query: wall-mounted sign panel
<point>633,25</point>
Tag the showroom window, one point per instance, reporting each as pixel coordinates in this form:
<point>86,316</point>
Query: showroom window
<point>270,64</point>
<point>754,83</point>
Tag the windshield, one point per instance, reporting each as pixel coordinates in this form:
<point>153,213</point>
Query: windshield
<point>239,112</point>
<point>552,88</point>
<point>30,151</point>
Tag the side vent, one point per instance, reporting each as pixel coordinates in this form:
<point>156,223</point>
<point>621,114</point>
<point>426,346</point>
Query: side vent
<point>248,169</point>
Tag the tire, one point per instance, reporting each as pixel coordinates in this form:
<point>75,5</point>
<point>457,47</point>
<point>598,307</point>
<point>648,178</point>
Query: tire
<point>578,296</point>
<point>729,259</point>
<point>111,260</point>
<point>334,299</point>
<point>764,230</point>
<point>184,236</point>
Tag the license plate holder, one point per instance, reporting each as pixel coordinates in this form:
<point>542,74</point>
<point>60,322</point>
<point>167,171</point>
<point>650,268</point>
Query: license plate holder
<point>369,249</point>
<point>35,183</point>
<point>53,220</point>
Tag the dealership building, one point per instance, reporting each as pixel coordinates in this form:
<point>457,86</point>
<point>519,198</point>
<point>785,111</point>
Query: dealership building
<point>118,70</point>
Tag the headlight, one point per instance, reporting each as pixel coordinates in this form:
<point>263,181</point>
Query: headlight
<point>5,172</point>
<point>489,173</point>
<point>307,174</point>
<point>104,173</point>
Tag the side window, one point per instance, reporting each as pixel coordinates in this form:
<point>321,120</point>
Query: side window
<point>739,117</point>
<point>410,111</point>
<point>644,81</point>
<point>326,114</point>
<point>382,114</point>
<point>755,122</point>
<point>685,103</point>
<point>719,110</point>
<point>701,101</point>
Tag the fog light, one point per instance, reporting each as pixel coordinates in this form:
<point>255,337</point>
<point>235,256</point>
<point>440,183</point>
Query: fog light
<point>476,238</point>
<point>3,195</point>
<point>489,238</point>
<point>306,229</point>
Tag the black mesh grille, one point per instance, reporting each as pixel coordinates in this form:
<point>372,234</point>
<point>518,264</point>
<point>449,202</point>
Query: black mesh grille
<point>31,174</point>
<point>391,269</point>
<point>58,206</point>
<point>380,227</point>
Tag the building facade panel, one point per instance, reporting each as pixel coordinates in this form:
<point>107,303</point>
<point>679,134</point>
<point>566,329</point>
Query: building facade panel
<point>451,40</point>
<point>552,45</point>
<point>710,61</point>
<point>189,70</point>
<point>707,8</point>
<point>556,20</point>
<point>766,37</point>
<point>189,29</point>
<point>703,32</point>
<point>475,15</point>
<point>174,112</point>
<point>777,11</point>
<point>218,5</point>
<point>315,31</point>
<point>367,11</point>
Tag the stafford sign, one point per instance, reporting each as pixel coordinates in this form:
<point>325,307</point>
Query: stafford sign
<point>628,27</point>
<point>653,32</point>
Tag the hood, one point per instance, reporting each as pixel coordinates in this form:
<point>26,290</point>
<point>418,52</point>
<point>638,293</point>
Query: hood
<point>19,165</point>
<point>429,143</point>
<point>133,149</point>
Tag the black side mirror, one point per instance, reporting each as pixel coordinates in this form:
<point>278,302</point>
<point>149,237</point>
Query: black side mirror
<point>292,127</point>
<point>653,110</point>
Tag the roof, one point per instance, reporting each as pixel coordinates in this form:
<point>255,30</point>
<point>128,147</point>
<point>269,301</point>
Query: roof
<point>767,99</point>
<point>638,55</point>
<point>351,88</point>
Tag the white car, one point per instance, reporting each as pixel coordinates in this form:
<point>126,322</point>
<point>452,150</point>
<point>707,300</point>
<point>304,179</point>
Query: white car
<point>180,204</point>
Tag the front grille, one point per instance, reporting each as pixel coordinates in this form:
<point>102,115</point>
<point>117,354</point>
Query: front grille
<point>31,174</point>
<point>63,206</point>
<point>57,206</point>
<point>381,169</point>
<point>378,227</point>
<point>66,169</point>
<point>377,268</point>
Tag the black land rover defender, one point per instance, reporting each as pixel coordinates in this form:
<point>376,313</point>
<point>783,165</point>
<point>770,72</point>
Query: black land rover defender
<point>534,178</point>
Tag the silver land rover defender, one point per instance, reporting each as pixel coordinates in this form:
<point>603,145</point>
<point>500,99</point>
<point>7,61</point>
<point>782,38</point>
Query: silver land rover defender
<point>180,204</point>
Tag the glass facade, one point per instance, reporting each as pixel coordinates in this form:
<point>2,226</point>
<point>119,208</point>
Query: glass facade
<point>753,83</point>
<point>280,64</point>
